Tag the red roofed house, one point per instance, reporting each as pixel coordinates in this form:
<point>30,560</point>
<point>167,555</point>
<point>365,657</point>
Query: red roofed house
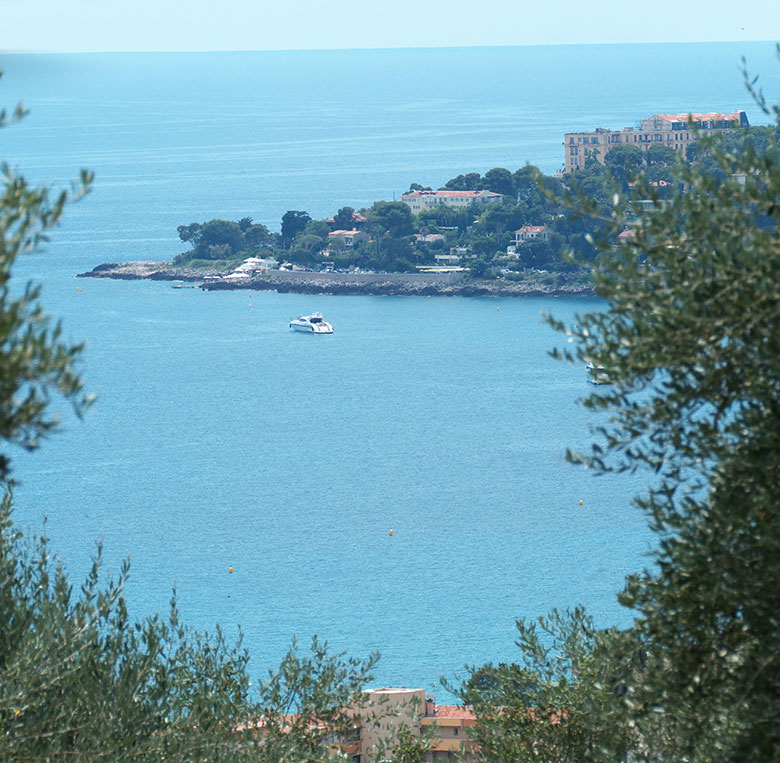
<point>348,237</point>
<point>529,232</point>
<point>672,130</point>
<point>420,200</point>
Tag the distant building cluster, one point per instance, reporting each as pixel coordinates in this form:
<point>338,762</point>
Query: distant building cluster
<point>672,130</point>
<point>387,710</point>
<point>412,708</point>
<point>420,200</point>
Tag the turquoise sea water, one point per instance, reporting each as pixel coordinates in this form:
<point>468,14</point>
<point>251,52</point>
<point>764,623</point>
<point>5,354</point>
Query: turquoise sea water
<point>222,439</point>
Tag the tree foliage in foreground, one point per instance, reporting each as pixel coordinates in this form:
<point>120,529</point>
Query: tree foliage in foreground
<point>34,360</point>
<point>690,337</point>
<point>79,679</point>
<point>562,702</point>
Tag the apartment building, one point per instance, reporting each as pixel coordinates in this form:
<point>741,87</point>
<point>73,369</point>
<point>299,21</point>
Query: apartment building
<point>672,130</point>
<point>420,200</point>
<point>397,707</point>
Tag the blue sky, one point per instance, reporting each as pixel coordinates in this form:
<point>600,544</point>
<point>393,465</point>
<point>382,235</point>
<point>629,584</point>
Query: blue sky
<point>106,25</point>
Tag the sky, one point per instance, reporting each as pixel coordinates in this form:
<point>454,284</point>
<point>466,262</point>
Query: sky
<point>175,25</point>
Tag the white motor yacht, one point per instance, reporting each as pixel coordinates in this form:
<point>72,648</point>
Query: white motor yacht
<point>312,324</point>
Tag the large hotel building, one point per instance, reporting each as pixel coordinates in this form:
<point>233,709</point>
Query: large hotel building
<point>673,130</point>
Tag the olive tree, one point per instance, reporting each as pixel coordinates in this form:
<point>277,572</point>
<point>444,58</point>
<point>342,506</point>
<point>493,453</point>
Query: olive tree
<point>35,362</point>
<point>690,336</point>
<point>79,678</point>
<point>562,701</point>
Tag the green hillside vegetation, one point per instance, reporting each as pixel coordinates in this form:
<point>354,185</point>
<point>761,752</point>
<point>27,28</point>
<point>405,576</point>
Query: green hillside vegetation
<point>482,233</point>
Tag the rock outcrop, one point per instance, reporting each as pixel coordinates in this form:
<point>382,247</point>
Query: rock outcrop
<point>308,282</point>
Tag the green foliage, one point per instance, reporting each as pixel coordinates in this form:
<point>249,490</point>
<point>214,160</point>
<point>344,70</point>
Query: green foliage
<point>343,219</point>
<point>257,236</point>
<point>499,180</point>
<point>81,681</point>
<point>218,241</point>
<point>34,360</point>
<point>661,155</point>
<point>561,702</point>
<point>691,338</point>
<point>293,222</point>
<point>219,238</point>
<point>468,182</point>
<point>411,747</point>
<point>190,234</point>
<point>480,268</point>
<point>624,160</point>
<point>390,218</point>
<point>317,228</point>
<point>311,701</point>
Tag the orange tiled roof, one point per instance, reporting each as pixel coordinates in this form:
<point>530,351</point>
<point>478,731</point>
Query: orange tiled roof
<point>356,217</point>
<point>454,711</point>
<point>449,194</point>
<point>531,229</point>
<point>712,115</point>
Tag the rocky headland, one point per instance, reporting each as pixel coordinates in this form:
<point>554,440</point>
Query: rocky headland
<point>310,282</point>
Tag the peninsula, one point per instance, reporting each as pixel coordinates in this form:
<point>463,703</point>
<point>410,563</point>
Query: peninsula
<point>453,284</point>
<point>498,234</point>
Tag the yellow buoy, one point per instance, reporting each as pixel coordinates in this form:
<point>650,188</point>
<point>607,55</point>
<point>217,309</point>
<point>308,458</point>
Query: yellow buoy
<point>390,533</point>
<point>230,570</point>
<point>580,501</point>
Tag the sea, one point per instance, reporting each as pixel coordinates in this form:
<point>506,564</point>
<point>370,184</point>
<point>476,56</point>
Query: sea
<point>399,486</point>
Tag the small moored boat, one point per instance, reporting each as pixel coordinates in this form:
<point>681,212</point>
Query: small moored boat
<point>311,324</point>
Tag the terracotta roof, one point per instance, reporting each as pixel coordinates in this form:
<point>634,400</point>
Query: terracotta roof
<point>531,229</point>
<point>449,194</point>
<point>356,217</point>
<point>454,711</point>
<point>344,232</point>
<point>712,115</point>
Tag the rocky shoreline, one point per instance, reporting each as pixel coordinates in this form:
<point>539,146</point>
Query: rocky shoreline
<point>308,282</point>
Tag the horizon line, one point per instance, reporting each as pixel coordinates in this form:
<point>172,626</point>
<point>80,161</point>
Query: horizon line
<point>379,48</point>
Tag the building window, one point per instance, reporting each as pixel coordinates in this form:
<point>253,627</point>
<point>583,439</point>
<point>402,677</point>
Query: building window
<point>456,731</point>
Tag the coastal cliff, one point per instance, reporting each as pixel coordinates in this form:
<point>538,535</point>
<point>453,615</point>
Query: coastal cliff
<point>309,282</point>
